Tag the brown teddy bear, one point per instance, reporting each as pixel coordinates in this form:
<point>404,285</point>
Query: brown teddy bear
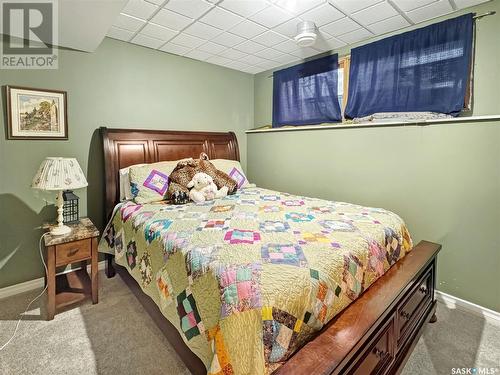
<point>184,172</point>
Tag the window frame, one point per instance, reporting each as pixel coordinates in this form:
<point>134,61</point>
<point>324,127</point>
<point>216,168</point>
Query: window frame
<point>344,63</point>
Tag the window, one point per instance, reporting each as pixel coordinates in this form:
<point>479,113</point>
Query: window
<point>307,93</point>
<point>423,70</point>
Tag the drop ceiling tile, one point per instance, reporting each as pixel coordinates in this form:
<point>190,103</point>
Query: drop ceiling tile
<point>174,48</point>
<point>351,6</point>
<point>171,19</point>
<point>285,59</point>
<point>322,35</point>
<point>140,9</point>
<point>375,13</point>
<point>269,64</point>
<point>271,17</point>
<point>339,27</point>
<point>253,70</point>
<point>121,34</point>
<point>158,32</point>
<point>198,55</point>
<point>233,54</point>
<point>468,3</point>
<point>221,18</point>
<point>248,29</point>
<point>227,39</point>
<point>329,44</point>
<point>297,7</point>
<point>255,60</point>
<point>289,28</point>
<point>219,60</point>
<point>244,8</point>
<point>269,53</point>
<point>407,5</point>
<point>322,15</point>
<point>249,47</point>
<point>388,25</point>
<point>238,65</point>
<point>187,40</point>
<point>189,8</point>
<point>430,11</point>
<point>147,41</point>
<point>269,38</point>
<point>356,36</point>
<point>287,46</point>
<point>211,47</point>
<point>202,30</point>
<point>128,22</point>
<point>305,52</point>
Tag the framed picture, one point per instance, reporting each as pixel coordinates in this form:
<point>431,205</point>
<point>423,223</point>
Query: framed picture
<point>36,113</point>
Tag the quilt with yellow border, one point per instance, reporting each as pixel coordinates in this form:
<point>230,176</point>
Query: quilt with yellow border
<point>249,279</point>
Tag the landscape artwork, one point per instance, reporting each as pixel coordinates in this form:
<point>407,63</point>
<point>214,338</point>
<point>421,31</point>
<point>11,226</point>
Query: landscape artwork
<point>36,113</point>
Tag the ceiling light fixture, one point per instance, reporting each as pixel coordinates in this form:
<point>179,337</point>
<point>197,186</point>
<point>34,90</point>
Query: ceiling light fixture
<point>306,34</point>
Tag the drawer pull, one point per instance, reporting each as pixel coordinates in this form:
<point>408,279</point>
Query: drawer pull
<point>405,315</point>
<point>379,353</point>
<point>423,289</point>
<point>72,252</point>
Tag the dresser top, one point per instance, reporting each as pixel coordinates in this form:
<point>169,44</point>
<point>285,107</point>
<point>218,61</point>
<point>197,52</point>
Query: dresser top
<point>79,231</point>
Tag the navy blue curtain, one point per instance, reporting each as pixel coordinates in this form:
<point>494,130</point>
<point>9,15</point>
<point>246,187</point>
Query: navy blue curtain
<point>422,70</point>
<point>306,93</point>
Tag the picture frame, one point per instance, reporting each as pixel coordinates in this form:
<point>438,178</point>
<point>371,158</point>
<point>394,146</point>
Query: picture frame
<point>36,114</point>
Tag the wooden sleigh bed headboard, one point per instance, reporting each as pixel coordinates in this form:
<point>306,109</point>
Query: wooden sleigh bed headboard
<point>126,147</point>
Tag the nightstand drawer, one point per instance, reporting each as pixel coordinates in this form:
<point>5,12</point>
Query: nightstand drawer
<point>73,251</point>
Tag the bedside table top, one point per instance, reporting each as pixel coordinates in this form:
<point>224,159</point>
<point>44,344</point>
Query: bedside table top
<point>79,231</point>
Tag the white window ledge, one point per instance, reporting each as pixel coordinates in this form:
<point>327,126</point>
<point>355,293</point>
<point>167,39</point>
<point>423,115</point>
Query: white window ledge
<point>377,124</point>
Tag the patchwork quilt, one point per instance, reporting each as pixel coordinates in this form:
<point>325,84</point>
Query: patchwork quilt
<point>248,279</point>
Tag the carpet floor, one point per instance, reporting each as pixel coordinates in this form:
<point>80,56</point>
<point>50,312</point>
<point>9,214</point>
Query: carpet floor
<point>117,336</point>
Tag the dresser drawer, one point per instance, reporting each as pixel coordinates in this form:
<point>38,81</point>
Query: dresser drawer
<point>378,355</point>
<point>415,304</point>
<point>73,251</point>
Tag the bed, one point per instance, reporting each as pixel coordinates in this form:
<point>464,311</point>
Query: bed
<point>264,281</point>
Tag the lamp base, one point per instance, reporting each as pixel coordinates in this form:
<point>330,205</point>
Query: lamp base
<point>60,230</point>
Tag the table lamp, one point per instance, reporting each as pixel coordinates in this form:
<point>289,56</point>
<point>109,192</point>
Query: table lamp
<point>58,174</point>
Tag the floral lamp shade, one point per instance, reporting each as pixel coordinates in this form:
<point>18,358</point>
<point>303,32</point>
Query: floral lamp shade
<point>59,174</point>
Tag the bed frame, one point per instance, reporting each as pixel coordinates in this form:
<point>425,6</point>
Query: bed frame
<point>374,335</point>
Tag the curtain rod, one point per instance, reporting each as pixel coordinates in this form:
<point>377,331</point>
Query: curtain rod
<point>475,17</point>
<point>490,13</point>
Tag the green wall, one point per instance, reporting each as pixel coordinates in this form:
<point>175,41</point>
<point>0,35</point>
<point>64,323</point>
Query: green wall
<point>444,180</point>
<point>119,85</point>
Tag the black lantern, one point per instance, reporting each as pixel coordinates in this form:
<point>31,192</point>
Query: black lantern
<point>70,207</point>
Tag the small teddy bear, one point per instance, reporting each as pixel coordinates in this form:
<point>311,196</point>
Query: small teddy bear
<point>203,188</point>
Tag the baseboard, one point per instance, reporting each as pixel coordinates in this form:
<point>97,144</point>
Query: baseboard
<point>460,304</point>
<point>37,283</point>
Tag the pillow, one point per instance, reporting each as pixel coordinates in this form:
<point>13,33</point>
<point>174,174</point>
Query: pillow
<point>149,182</point>
<point>233,169</point>
<point>125,193</point>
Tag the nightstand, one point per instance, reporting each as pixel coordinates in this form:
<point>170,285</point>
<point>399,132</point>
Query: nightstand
<point>75,286</point>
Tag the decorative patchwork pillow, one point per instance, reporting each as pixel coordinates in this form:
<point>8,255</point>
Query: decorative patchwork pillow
<point>149,183</point>
<point>125,193</point>
<point>234,170</point>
